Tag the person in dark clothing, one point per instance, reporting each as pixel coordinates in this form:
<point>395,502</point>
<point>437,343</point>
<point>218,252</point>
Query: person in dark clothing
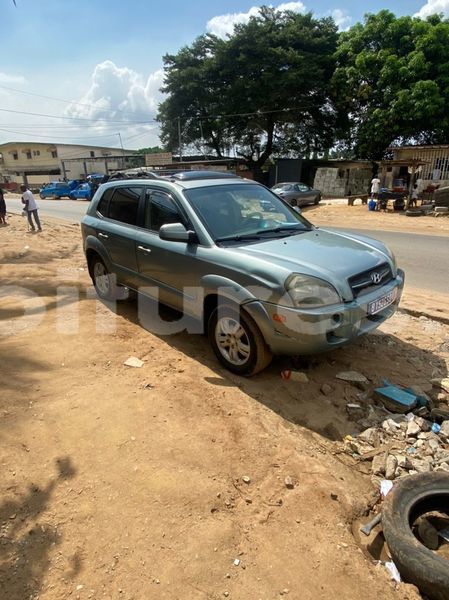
<point>2,208</point>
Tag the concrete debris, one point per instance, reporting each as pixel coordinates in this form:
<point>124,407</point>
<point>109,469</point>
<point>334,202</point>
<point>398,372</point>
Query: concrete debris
<point>378,465</point>
<point>326,389</point>
<point>413,429</point>
<point>401,445</point>
<point>353,377</point>
<point>444,431</point>
<point>133,361</point>
<point>390,467</point>
<point>442,383</point>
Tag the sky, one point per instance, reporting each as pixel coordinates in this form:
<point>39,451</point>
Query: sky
<point>90,70</point>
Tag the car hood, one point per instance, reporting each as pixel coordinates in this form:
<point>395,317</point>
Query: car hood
<point>327,254</point>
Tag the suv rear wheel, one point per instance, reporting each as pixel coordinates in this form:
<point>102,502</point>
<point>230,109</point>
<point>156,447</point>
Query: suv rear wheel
<point>105,282</point>
<point>237,341</point>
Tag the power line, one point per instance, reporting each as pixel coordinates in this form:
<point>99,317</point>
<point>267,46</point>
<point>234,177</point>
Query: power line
<point>61,100</point>
<point>21,112</point>
<point>58,137</point>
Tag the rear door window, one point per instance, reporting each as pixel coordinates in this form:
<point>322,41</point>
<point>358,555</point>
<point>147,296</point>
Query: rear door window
<point>124,205</point>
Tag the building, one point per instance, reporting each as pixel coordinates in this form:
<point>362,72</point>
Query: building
<point>36,163</point>
<point>428,165</point>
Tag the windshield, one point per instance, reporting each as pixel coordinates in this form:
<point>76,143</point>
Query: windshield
<point>285,187</point>
<point>244,211</point>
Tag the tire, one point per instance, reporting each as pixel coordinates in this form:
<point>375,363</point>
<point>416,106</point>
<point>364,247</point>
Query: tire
<point>317,200</point>
<point>105,282</point>
<point>41,196</point>
<point>410,498</point>
<point>414,213</point>
<point>250,354</point>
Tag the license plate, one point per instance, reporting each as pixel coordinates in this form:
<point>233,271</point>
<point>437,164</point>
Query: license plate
<point>377,305</point>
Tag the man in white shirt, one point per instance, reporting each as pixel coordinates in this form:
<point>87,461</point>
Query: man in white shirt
<point>375,186</point>
<point>31,208</point>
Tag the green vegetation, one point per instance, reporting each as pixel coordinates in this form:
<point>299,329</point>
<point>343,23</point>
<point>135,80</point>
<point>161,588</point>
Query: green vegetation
<point>290,83</point>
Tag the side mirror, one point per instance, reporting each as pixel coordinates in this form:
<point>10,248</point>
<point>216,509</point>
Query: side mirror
<point>176,232</point>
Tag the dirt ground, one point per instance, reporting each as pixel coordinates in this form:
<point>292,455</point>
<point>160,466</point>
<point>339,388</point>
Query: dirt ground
<point>126,483</point>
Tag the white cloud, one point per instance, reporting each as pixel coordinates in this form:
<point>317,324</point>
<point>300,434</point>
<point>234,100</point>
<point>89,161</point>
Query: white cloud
<point>5,78</point>
<point>432,7</point>
<point>223,25</point>
<point>341,18</point>
<point>119,93</point>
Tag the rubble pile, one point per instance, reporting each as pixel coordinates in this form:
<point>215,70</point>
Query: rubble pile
<point>399,445</point>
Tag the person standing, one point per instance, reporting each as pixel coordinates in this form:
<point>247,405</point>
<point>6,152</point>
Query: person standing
<point>31,207</point>
<point>375,186</point>
<point>2,208</point>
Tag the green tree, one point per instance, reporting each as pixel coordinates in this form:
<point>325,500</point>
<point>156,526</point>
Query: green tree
<point>392,82</point>
<point>150,150</point>
<point>263,90</point>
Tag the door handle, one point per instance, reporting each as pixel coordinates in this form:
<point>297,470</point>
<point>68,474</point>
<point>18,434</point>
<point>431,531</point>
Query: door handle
<point>103,235</point>
<point>143,249</point>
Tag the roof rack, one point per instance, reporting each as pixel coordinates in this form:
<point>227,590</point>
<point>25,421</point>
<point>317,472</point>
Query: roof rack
<point>194,175</point>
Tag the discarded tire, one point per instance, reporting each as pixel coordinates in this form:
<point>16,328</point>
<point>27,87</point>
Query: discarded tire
<point>410,498</point>
<point>441,209</point>
<point>414,213</point>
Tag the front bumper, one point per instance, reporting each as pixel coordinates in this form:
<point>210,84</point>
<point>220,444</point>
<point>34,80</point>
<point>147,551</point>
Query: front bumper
<point>297,331</point>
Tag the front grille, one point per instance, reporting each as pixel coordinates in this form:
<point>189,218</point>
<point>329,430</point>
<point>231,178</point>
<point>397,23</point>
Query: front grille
<point>363,283</point>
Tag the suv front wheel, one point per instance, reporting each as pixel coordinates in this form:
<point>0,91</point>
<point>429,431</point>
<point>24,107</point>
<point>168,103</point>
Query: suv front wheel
<point>237,341</point>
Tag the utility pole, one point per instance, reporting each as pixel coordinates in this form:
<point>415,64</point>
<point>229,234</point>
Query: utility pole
<point>179,139</point>
<point>121,143</point>
<point>123,152</point>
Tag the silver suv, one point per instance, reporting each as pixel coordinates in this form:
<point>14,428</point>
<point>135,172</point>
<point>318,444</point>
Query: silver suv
<point>257,276</point>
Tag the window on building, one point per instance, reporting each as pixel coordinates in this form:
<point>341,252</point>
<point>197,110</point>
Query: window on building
<point>92,154</point>
<point>160,209</point>
<point>28,154</point>
<point>124,204</point>
<point>15,156</point>
<point>36,152</point>
<point>54,154</point>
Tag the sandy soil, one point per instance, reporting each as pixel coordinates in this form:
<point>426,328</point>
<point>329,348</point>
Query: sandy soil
<point>127,483</point>
<point>337,213</point>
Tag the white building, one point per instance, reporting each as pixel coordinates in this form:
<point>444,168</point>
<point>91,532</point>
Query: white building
<point>36,163</point>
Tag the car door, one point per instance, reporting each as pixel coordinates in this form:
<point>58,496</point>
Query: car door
<point>169,266</point>
<point>119,208</point>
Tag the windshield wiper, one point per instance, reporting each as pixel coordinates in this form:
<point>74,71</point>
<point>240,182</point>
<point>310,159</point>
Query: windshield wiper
<point>281,229</point>
<point>237,237</point>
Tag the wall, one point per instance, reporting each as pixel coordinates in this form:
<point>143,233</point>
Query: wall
<point>339,182</point>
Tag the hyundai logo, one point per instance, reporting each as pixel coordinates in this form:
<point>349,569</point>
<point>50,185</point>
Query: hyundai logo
<point>376,278</point>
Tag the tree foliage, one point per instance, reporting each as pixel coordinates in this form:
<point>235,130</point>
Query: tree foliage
<point>150,150</point>
<point>392,80</point>
<point>263,90</point>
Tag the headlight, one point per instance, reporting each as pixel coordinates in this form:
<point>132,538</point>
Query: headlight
<point>311,292</point>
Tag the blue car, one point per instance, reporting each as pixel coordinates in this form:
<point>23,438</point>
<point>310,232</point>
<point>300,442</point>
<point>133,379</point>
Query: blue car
<point>82,192</point>
<point>58,189</point>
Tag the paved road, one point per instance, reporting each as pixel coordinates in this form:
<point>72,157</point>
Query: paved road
<point>69,210</point>
<point>425,258</point>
